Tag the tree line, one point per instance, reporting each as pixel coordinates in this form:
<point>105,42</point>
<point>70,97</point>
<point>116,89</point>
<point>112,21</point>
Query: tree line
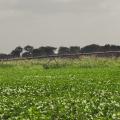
<point>30,51</point>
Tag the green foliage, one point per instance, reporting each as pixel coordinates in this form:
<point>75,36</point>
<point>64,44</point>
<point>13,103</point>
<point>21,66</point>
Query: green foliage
<point>53,66</point>
<point>29,48</point>
<point>79,90</point>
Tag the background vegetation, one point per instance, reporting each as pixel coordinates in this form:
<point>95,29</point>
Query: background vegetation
<point>30,51</point>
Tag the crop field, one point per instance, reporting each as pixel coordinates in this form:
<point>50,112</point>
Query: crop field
<point>85,89</point>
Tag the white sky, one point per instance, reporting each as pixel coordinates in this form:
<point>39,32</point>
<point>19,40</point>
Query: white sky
<point>58,23</point>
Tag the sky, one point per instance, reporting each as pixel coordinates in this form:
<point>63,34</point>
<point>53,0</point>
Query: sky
<point>58,23</point>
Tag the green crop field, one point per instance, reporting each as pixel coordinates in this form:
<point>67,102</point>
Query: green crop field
<point>86,89</point>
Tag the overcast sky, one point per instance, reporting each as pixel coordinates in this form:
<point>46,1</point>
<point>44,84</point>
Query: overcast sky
<point>58,23</point>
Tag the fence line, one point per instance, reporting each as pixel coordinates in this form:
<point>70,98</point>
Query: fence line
<point>97,54</point>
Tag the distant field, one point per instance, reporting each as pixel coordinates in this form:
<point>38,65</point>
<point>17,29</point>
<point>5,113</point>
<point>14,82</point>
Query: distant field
<point>86,89</point>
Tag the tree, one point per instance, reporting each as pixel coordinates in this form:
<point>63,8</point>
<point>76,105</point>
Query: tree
<point>74,49</point>
<point>42,51</point>
<point>50,50</point>
<point>91,48</point>
<point>3,56</point>
<point>107,47</point>
<point>46,51</point>
<point>17,51</point>
<point>63,50</point>
<point>36,52</point>
<point>26,54</point>
<point>115,48</point>
<point>29,48</point>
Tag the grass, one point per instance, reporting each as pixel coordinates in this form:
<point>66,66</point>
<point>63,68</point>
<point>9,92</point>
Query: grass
<point>86,89</point>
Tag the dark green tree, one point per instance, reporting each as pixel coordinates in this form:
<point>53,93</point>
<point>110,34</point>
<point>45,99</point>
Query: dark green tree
<point>63,50</point>
<point>74,49</point>
<point>91,48</point>
<point>46,51</point>
<point>36,53</point>
<point>29,48</point>
<point>17,51</point>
